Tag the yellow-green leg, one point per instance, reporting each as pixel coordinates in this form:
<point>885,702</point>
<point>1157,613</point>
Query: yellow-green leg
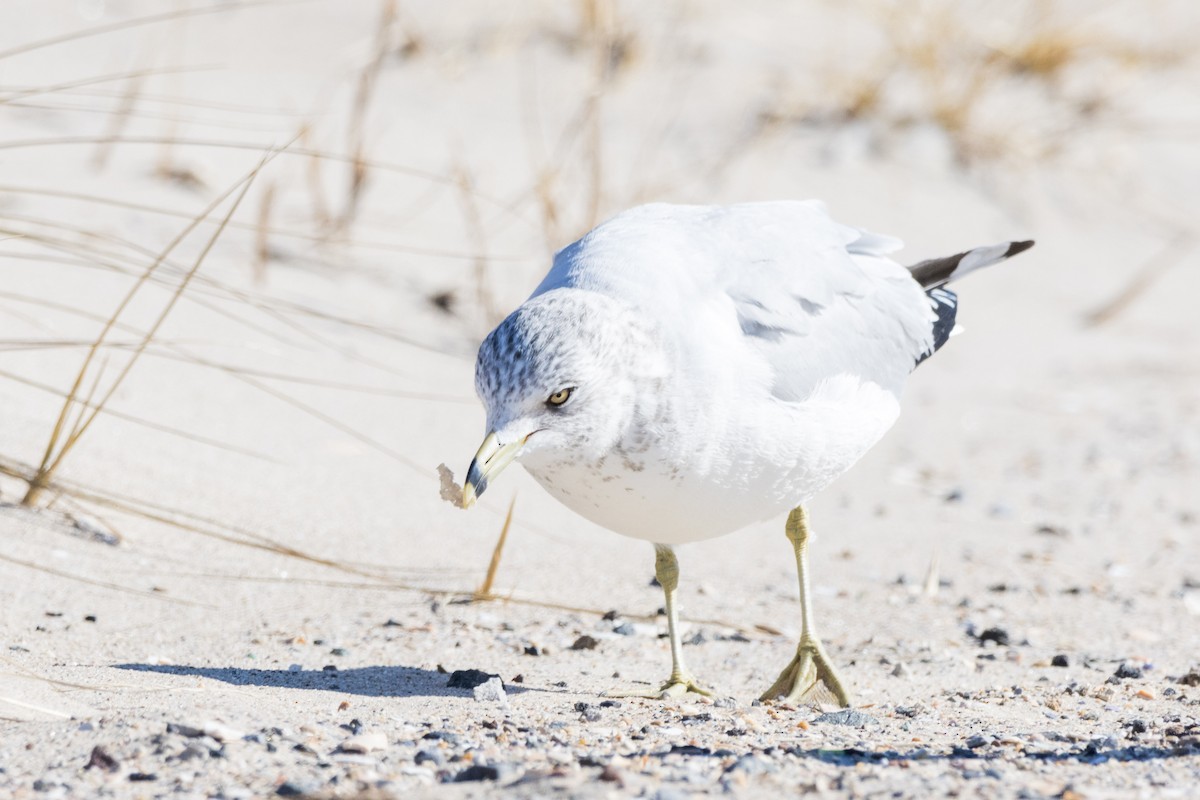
<point>810,677</point>
<point>666,569</point>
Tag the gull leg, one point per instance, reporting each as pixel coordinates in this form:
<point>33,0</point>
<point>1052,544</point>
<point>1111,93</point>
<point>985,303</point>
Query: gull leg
<point>666,569</point>
<point>810,677</point>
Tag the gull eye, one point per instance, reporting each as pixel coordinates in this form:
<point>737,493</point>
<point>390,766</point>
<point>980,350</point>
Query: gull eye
<point>561,396</point>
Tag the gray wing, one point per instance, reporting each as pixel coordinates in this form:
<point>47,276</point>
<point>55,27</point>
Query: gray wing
<point>815,298</point>
<point>831,303</point>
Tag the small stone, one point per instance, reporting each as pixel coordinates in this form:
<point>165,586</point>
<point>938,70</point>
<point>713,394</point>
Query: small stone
<point>491,691</point>
<point>751,764</point>
<point>588,711</point>
<point>477,772</point>
<point>139,777</point>
<point>1192,678</point>
<point>1060,660</point>
<point>900,670</point>
<point>725,702</point>
<point>222,732</point>
<point>365,743</point>
<point>997,635</point>
<point>432,756</point>
<point>585,642</point>
<point>624,629</point>
<point>469,678</point>
<point>611,774</point>
<point>292,789</point>
<point>976,742</point>
<point>184,730</point>
<point>443,736</point>
<point>1127,670</point>
<point>696,638</point>
<point>102,760</point>
<point>847,716</point>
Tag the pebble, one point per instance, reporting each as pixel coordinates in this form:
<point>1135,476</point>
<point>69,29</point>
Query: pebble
<point>369,742</point>
<point>469,678</point>
<point>998,635</point>
<point>222,732</point>
<point>491,691</point>
<point>478,772</point>
<point>102,760</point>
<point>847,716</point>
<point>1060,660</point>
<point>1127,670</point>
<point>585,642</point>
<point>431,756</point>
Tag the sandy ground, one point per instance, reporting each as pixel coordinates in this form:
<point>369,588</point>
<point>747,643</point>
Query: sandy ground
<point>242,581</point>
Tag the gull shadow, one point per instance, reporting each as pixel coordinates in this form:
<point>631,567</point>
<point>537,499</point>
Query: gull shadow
<point>365,681</point>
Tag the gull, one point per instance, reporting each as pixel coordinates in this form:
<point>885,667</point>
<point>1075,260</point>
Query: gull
<point>685,371</point>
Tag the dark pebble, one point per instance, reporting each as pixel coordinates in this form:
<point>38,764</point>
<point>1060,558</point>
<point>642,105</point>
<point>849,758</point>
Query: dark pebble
<point>1127,670</point>
<point>289,789</point>
<point>624,629</point>
<point>585,642</point>
<point>998,635</point>
<point>1060,660</point>
<point>338,651</point>
<point>444,736</point>
<point>102,760</point>
<point>469,678</point>
<point>689,750</point>
<point>432,756</point>
<point>138,777</point>
<point>477,773</point>
<point>610,616</point>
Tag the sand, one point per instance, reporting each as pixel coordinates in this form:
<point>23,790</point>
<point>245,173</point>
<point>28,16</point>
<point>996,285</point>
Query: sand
<point>243,580</point>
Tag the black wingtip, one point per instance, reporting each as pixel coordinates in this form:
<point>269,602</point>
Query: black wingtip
<point>1016,248</point>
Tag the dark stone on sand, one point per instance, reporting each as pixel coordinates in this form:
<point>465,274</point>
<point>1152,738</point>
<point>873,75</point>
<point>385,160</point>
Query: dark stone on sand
<point>477,772</point>
<point>1127,670</point>
<point>998,635</point>
<point>469,678</point>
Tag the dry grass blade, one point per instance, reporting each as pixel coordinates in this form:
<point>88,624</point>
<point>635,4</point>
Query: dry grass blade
<point>484,592</point>
<point>151,19</point>
<point>142,421</point>
<point>180,141</point>
<point>262,235</point>
<point>474,225</point>
<point>116,587</point>
<point>117,122</point>
<point>56,452</point>
<point>1143,279</point>
<point>66,87</point>
<point>358,115</point>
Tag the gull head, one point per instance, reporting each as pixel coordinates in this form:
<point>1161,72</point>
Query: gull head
<point>560,377</point>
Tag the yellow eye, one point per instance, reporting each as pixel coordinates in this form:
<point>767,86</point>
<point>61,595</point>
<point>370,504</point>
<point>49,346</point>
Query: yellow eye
<point>560,397</point>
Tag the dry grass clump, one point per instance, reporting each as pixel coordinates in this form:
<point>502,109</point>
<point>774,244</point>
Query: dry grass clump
<point>999,82</point>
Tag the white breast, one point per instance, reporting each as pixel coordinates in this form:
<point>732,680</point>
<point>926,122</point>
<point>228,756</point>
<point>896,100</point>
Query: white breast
<point>742,465</point>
